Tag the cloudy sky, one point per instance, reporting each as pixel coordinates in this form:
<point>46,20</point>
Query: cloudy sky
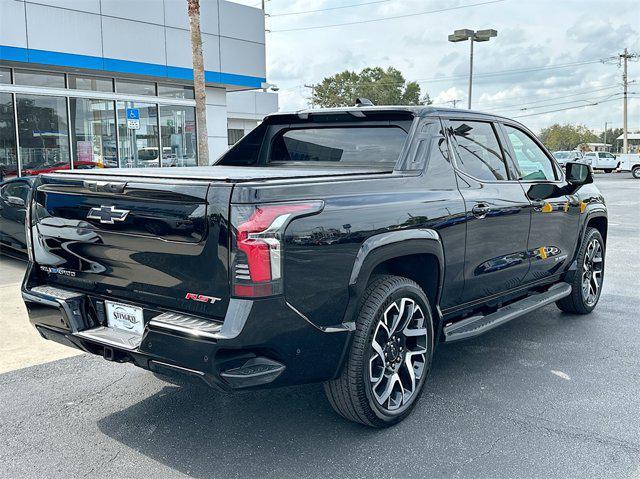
<point>546,56</point>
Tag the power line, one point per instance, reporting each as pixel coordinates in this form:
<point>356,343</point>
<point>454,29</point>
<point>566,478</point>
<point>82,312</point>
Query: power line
<point>537,99</point>
<point>360,22</point>
<point>286,14</point>
<point>525,105</point>
<point>568,108</point>
<point>568,102</point>
<point>441,79</point>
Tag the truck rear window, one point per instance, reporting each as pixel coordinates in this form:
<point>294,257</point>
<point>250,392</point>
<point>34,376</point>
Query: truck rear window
<point>354,146</point>
<point>377,147</point>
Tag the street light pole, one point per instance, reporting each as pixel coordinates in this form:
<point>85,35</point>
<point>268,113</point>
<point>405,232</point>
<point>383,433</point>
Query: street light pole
<point>478,36</point>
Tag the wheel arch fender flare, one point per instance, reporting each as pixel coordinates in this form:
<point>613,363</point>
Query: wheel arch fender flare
<point>591,214</point>
<point>382,247</point>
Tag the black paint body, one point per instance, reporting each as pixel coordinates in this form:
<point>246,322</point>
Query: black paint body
<point>417,219</point>
<point>13,238</point>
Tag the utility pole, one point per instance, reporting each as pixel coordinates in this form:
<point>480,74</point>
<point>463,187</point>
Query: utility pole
<point>605,135</point>
<point>622,60</point>
<point>313,93</point>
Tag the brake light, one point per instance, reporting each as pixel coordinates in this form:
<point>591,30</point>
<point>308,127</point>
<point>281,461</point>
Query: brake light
<point>256,249</point>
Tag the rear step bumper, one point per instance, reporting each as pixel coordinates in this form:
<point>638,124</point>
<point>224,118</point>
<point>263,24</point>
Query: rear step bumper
<point>259,343</point>
<point>477,325</point>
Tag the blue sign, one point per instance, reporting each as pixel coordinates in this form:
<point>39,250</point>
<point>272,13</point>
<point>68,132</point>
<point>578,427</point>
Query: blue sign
<point>133,114</point>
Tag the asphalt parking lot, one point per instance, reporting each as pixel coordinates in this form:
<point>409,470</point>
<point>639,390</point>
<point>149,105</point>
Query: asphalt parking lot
<point>547,395</point>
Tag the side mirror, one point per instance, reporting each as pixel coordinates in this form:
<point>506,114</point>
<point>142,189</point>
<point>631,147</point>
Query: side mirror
<point>578,174</point>
<point>16,201</point>
<point>542,191</point>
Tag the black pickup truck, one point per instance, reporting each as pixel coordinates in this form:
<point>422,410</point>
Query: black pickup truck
<point>337,246</point>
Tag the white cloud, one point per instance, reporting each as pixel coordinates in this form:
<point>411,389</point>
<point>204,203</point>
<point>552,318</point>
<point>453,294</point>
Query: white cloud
<point>530,34</point>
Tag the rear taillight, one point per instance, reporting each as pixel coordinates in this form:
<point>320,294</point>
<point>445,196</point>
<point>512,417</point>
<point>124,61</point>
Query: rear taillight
<point>256,245</point>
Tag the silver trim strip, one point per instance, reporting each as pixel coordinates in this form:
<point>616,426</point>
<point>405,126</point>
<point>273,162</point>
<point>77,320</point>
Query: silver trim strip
<point>183,329</point>
<point>94,95</point>
<point>331,329</point>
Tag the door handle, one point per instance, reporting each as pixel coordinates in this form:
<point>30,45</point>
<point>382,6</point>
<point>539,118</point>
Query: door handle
<point>480,210</point>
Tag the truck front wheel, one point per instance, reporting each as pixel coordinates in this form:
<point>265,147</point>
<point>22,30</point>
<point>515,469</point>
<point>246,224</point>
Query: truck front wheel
<point>586,281</point>
<point>390,355</point>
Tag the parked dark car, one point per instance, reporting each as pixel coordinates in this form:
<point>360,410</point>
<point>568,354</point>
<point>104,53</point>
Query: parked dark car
<point>14,195</point>
<point>337,246</point>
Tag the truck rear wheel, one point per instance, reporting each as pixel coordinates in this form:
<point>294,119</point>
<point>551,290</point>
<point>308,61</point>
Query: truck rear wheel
<point>586,281</point>
<point>390,355</point>
<point>636,172</point>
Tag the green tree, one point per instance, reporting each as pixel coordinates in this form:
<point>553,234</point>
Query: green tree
<point>566,137</point>
<point>382,87</point>
<point>611,135</point>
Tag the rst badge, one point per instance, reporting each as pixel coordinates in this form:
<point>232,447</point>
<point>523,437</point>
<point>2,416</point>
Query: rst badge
<point>107,214</point>
<point>201,298</point>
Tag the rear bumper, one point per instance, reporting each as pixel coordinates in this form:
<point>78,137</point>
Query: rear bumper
<point>257,344</point>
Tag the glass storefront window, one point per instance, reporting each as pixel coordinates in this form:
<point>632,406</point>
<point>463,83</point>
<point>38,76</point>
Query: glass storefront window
<point>43,134</point>
<point>42,79</point>
<point>176,91</point>
<point>93,133</point>
<point>135,87</point>
<point>77,82</point>
<point>5,76</point>
<point>8,154</point>
<point>234,135</point>
<point>178,135</point>
<point>139,147</point>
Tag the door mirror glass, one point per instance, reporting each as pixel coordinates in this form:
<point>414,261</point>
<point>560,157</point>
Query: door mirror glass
<point>578,174</point>
<point>542,191</point>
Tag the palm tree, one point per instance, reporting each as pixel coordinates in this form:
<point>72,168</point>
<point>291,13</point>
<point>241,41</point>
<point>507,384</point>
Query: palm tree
<point>198,81</point>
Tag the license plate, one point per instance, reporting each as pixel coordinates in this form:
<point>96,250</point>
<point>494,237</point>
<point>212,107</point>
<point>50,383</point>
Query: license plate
<point>124,317</point>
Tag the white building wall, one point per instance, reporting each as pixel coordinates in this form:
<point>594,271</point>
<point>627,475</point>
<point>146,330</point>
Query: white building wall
<point>216,122</point>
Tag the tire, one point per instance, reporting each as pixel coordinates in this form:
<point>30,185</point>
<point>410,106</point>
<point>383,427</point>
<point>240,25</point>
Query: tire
<point>636,172</point>
<point>589,272</point>
<point>370,372</point>
<point>608,170</point>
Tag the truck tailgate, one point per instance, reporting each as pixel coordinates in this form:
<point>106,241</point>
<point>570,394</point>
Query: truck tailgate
<point>156,242</point>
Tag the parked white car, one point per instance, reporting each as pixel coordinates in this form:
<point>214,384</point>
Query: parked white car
<point>630,162</point>
<point>601,160</point>
<point>563,157</point>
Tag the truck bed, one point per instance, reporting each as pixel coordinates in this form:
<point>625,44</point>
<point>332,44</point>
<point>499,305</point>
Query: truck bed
<point>231,174</point>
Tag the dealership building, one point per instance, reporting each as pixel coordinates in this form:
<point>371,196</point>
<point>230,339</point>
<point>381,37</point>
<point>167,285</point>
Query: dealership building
<point>108,83</point>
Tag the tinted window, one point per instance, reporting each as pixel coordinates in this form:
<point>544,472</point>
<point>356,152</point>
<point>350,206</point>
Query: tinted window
<point>90,83</point>
<point>478,149</point>
<point>176,91</point>
<point>19,189</point>
<point>34,78</point>
<point>605,155</point>
<point>135,87</point>
<point>531,161</point>
<point>352,146</point>
<point>5,75</point>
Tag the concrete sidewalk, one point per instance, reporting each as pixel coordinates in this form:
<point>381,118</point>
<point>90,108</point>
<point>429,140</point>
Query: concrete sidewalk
<point>20,344</point>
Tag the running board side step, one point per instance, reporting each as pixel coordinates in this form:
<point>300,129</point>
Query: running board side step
<point>477,325</point>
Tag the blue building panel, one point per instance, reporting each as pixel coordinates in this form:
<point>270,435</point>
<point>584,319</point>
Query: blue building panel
<point>113,65</point>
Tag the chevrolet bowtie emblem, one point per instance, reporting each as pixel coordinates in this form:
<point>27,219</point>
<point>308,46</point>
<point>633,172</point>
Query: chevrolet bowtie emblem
<point>107,214</point>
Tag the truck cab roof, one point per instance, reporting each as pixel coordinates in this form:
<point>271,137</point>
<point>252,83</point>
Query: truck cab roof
<point>417,110</point>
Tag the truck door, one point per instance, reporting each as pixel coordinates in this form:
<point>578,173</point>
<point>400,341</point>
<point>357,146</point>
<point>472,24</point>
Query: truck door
<point>554,215</point>
<point>497,211</point>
